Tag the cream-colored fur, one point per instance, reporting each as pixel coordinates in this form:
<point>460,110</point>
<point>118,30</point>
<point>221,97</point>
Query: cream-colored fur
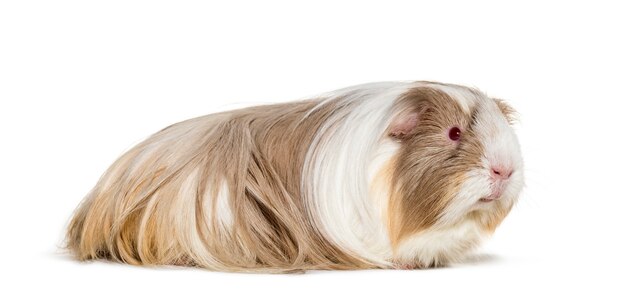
<point>316,184</point>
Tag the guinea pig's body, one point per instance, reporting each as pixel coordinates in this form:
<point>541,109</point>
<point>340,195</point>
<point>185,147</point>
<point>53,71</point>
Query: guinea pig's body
<point>382,175</point>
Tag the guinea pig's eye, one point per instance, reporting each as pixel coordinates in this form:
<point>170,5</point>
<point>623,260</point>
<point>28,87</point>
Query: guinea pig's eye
<point>454,134</point>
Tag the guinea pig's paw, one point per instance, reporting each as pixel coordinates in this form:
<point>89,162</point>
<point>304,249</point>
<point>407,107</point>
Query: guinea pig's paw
<point>408,266</point>
<point>416,265</point>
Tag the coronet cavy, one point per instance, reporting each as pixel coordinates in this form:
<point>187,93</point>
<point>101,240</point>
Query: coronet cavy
<point>383,175</point>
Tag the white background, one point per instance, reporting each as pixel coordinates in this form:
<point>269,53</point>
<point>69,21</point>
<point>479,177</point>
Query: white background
<point>82,81</point>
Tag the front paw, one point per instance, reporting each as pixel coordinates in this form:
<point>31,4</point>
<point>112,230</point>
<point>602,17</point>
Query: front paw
<point>407,266</point>
<point>417,265</point>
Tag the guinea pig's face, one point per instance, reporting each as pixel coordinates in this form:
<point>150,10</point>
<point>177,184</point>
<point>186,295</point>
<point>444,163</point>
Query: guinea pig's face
<point>459,159</point>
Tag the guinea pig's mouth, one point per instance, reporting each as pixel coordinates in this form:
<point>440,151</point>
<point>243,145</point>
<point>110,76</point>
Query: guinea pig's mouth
<point>486,199</point>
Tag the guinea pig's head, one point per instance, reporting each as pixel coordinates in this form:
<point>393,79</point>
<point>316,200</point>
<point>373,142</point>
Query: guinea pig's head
<point>459,160</point>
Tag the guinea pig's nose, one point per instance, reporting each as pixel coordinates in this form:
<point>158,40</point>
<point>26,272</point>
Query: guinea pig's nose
<point>501,172</point>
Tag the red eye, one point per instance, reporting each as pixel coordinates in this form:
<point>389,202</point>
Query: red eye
<point>454,134</point>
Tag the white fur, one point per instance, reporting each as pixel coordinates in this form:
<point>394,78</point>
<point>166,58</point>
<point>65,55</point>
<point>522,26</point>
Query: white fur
<point>441,245</point>
<point>218,208</point>
<point>501,144</point>
<point>222,208</point>
<point>337,168</point>
<point>387,149</point>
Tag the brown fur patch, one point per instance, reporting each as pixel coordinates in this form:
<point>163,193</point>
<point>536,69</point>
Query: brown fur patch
<point>430,167</point>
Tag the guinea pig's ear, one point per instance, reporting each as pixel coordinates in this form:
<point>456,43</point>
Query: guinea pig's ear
<point>509,113</point>
<point>403,125</point>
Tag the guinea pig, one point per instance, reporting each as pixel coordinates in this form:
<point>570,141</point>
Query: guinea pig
<point>383,175</point>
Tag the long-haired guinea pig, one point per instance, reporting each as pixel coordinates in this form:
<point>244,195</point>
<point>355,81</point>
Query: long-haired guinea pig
<point>383,175</point>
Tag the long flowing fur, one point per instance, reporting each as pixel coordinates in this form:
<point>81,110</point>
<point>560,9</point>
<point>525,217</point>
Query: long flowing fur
<point>274,188</point>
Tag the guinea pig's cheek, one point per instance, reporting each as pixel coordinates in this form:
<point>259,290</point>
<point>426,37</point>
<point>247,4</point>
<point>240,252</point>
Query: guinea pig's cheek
<point>467,199</point>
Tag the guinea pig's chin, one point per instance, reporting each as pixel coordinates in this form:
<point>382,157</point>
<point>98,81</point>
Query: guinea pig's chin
<point>473,196</point>
<point>484,205</point>
<point>507,199</point>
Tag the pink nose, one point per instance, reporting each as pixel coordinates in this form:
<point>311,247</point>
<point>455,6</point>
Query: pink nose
<point>501,172</point>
